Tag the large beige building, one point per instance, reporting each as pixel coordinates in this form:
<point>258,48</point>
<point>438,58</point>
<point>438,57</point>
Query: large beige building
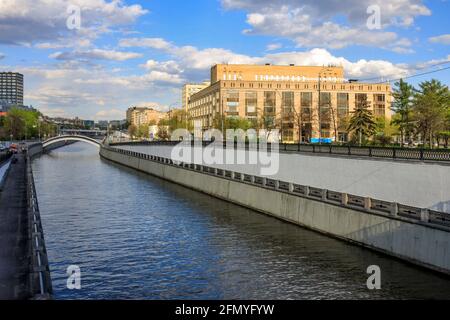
<point>308,103</point>
<point>139,116</point>
<point>190,89</point>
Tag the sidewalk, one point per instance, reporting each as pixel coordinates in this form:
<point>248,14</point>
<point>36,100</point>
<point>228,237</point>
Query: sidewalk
<point>14,260</point>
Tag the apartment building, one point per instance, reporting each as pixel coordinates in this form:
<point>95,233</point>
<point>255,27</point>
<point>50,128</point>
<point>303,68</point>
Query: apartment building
<point>306,103</point>
<point>190,89</point>
<point>11,88</point>
<point>140,115</point>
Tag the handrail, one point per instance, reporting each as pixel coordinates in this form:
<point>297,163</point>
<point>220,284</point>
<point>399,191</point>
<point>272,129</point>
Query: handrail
<point>396,153</point>
<point>342,199</point>
<point>41,285</point>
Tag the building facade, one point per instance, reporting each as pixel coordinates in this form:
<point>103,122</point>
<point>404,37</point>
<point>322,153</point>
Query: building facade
<point>305,103</point>
<point>139,116</point>
<point>190,89</point>
<point>11,89</point>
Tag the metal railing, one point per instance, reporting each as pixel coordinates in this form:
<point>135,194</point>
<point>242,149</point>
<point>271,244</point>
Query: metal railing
<point>41,285</point>
<point>4,156</point>
<point>342,199</point>
<point>442,155</point>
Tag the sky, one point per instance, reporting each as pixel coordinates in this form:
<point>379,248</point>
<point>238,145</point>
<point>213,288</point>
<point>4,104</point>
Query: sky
<point>95,58</point>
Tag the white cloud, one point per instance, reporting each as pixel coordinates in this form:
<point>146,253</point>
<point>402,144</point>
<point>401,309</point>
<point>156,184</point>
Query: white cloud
<point>393,12</point>
<point>155,43</point>
<point>197,61</point>
<point>96,54</point>
<point>111,114</point>
<point>171,66</point>
<point>311,23</point>
<point>31,21</point>
<point>442,39</point>
<point>163,77</point>
<point>2,56</point>
<point>65,43</point>
<point>273,46</point>
<point>55,112</point>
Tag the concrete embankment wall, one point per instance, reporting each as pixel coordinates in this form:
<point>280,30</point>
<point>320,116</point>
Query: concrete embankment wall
<point>401,237</point>
<point>37,148</point>
<point>418,184</point>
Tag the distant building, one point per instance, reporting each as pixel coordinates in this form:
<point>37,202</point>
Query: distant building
<point>117,124</point>
<point>11,89</point>
<point>140,116</point>
<point>89,124</point>
<point>190,89</point>
<point>102,124</point>
<point>132,114</point>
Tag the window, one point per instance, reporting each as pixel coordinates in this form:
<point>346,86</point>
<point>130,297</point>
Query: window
<point>306,106</point>
<point>232,98</point>
<point>325,105</point>
<point>360,99</point>
<point>269,102</point>
<point>251,101</point>
<point>342,105</point>
<point>379,105</point>
<point>287,105</point>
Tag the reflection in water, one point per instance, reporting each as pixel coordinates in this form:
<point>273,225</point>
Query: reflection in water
<point>138,237</point>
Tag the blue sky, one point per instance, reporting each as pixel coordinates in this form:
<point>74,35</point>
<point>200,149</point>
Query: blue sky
<point>141,52</point>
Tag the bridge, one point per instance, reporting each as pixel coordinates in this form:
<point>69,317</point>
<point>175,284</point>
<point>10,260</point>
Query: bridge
<point>84,132</point>
<point>64,138</point>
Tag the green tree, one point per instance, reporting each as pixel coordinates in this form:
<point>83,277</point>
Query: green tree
<point>431,104</point>
<point>132,131</point>
<point>143,131</point>
<point>21,123</point>
<point>445,133</point>
<point>403,94</point>
<point>362,121</point>
<point>163,133</point>
<point>177,119</point>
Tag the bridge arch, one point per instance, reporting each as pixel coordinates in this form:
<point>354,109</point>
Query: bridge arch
<point>50,141</point>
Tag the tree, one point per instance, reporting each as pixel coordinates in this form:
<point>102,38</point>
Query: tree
<point>403,93</point>
<point>384,131</point>
<point>431,104</point>
<point>361,121</point>
<point>143,131</point>
<point>163,133</point>
<point>21,123</point>
<point>445,133</point>
<point>132,130</point>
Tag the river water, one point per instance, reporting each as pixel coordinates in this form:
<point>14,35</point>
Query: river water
<point>135,236</point>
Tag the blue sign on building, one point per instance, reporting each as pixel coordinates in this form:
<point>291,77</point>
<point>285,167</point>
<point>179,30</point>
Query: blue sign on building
<point>322,140</point>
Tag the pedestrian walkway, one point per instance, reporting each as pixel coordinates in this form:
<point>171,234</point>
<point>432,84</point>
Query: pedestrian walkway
<point>14,256</point>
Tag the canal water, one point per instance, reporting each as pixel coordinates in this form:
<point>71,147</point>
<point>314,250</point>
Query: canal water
<point>138,237</point>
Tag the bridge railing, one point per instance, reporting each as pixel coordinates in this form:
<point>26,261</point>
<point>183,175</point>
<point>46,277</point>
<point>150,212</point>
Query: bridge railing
<point>41,285</point>
<point>420,154</point>
<point>342,199</point>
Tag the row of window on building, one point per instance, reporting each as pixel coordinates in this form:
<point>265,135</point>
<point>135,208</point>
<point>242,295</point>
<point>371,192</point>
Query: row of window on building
<point>232,104</point>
